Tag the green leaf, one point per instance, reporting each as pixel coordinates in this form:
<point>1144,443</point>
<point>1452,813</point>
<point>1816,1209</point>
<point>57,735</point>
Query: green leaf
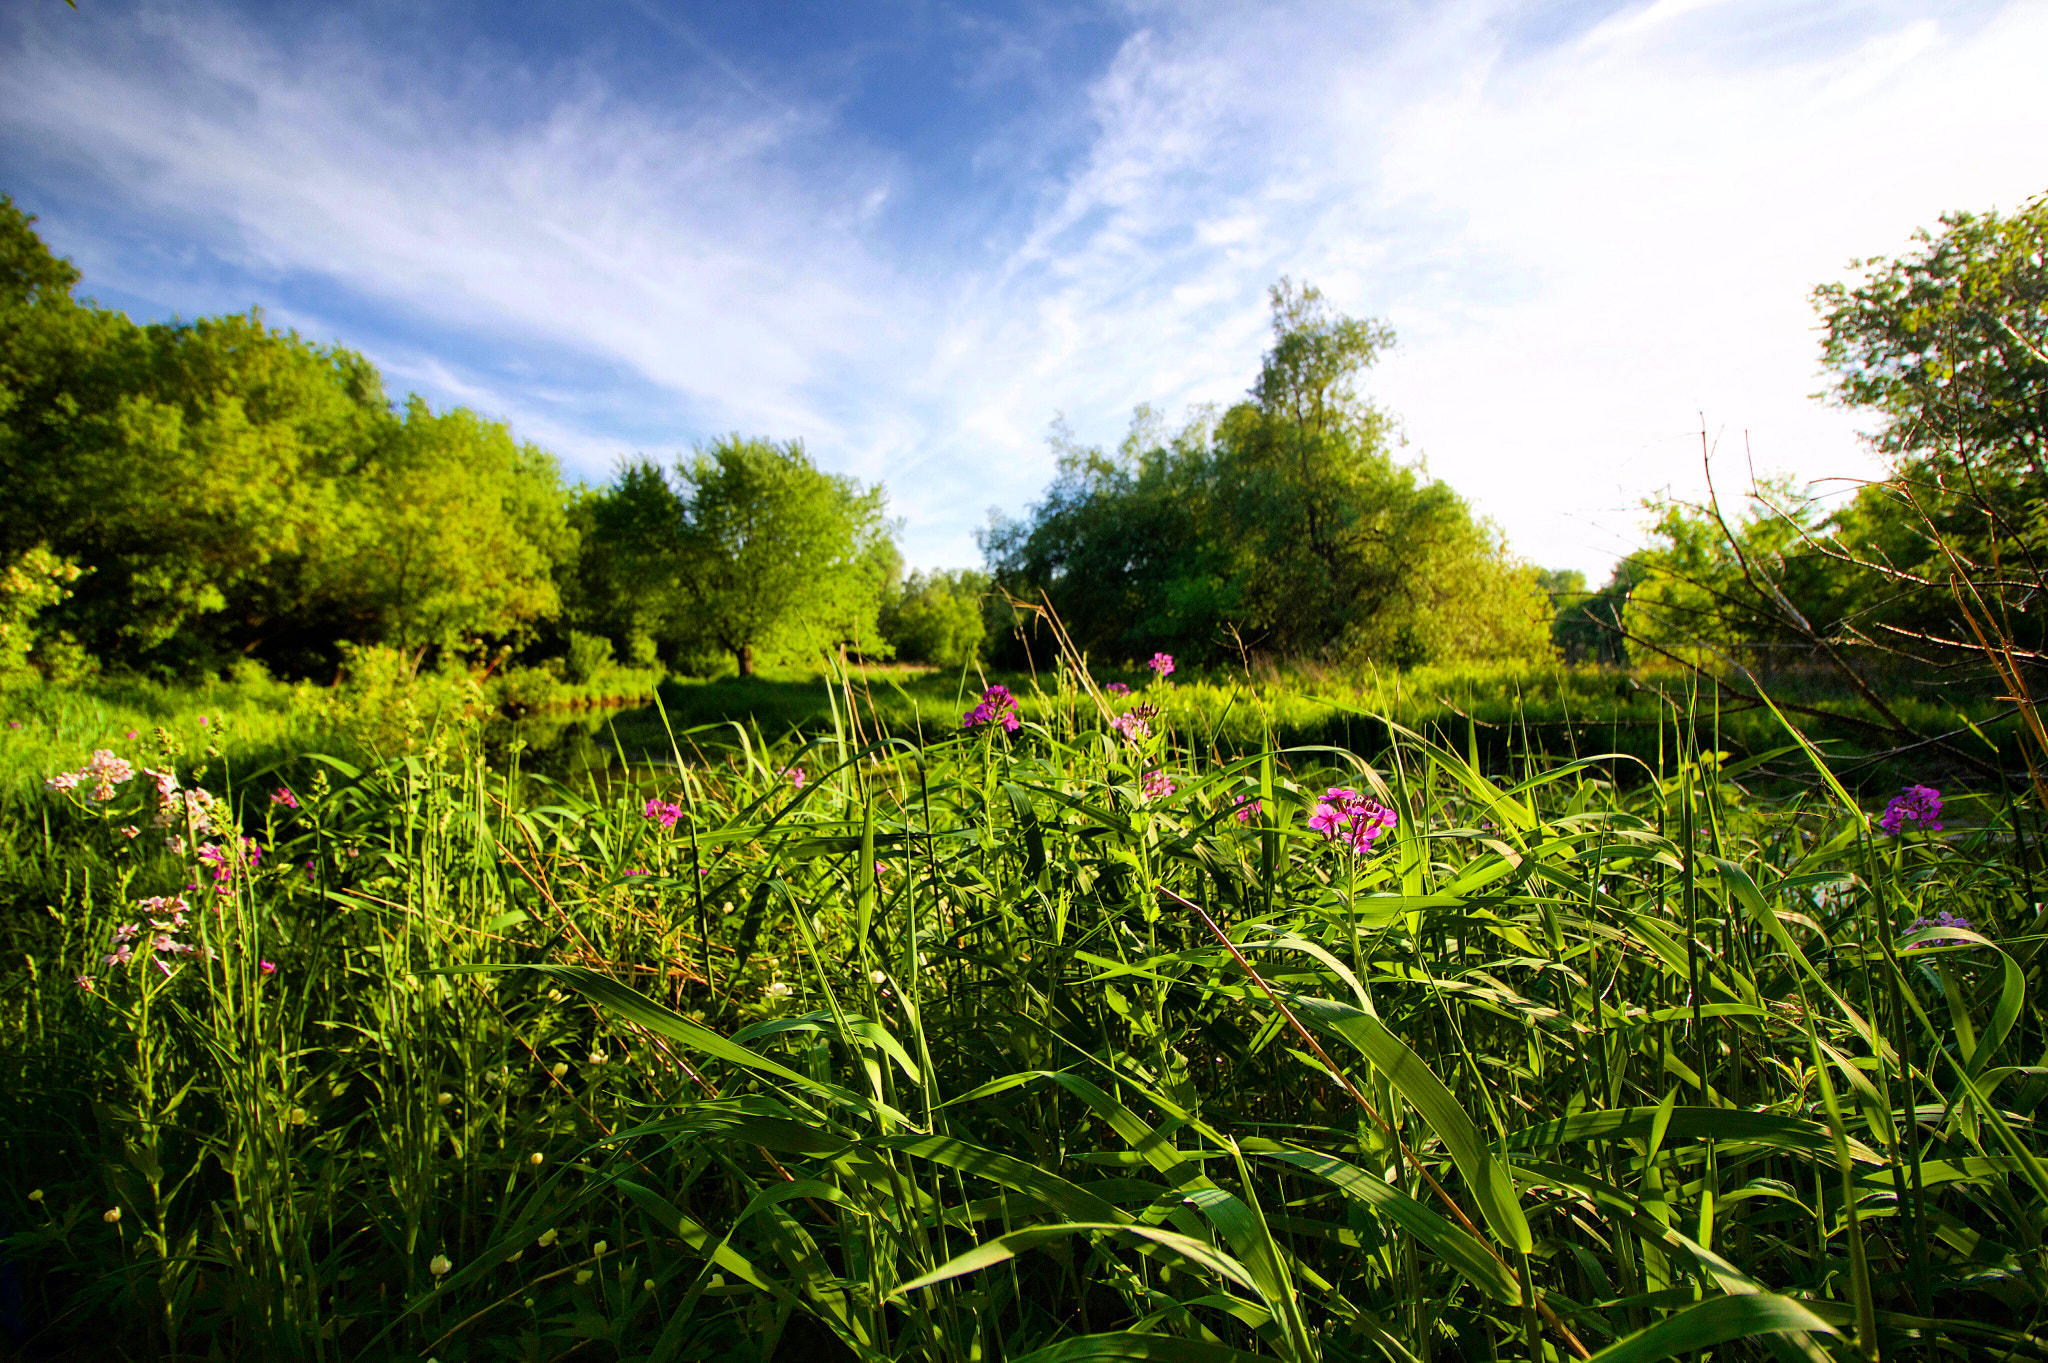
<point>1486,1176</point>
<point>1712,1322</point>
<point>1453,1244</point>
<point>1121,1345</point>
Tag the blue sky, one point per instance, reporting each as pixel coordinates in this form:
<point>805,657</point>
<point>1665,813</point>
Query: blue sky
<point>914,234</point>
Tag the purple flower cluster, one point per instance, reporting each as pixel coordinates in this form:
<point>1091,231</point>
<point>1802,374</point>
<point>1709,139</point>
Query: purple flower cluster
<point>796,776</point>
<point>1343,815</point>
<point>223,858</point>
<point>997,707</point>
<point>1117,689</point>
<point>283,796</point>
<point>1161,665</point>
<point>1131,724</point>
<point>1246,809</point>
<point>1919,805</point>
<point>665,810</point>
<point>1944,919</point>
<point>1157,785</point>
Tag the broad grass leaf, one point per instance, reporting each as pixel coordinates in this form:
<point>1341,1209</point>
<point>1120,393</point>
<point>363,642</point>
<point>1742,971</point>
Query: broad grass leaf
<point>1712,1322</point>
<point>1488,1179</point>
<point>1166,1348</point>
<point>1004,1248</point>
<point>1453,1244</point>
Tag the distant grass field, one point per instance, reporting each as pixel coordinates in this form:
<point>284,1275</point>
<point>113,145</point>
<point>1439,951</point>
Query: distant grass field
<point>1491,713</point>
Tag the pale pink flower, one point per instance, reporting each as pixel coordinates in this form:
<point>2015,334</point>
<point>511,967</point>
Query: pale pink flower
<point>1157,785</point>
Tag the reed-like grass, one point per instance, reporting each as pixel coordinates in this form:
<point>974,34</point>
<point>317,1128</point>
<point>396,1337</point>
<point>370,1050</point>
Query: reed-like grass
<point>965,1048</point>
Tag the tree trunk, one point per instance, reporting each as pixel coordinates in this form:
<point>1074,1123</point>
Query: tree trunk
<point>744,655</point>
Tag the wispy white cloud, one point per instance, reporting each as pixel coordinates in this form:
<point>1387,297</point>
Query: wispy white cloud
<point>1585,242</point>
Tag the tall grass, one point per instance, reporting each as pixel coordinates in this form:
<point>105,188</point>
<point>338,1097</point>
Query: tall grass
<point>966,1048</point>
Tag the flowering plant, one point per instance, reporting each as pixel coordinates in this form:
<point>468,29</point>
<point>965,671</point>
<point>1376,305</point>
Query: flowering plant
<point>667,811</point>
<point>1343,815</point>
<point>1158,785</point>
<point>99,776</point>
<point>997,707</point>
<point>1919,805</point>
<point>1246,809</point>
<point>1944,919</point>
<point>1161,665</point>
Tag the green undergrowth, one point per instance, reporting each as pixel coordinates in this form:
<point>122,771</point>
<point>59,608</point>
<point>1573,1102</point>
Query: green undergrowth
<point>1056,1045</point>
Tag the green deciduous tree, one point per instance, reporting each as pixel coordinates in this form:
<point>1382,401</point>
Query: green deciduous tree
<point>746,548</point>
<point>233,489</point>
<point>938,617</point>
<point>1286,526</point>
<point>778,557</point>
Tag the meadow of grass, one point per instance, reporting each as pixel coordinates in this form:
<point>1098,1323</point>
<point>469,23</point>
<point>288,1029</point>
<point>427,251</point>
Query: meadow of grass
<point>1078,1042</point>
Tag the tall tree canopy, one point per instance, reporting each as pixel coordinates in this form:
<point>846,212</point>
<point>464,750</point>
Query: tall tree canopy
<point>229,488</point>
<point>746,547</point>
<point>1286,526</point>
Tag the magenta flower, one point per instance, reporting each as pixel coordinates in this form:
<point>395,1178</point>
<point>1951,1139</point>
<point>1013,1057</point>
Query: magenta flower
<point>202,721</point>
<point>796,776</point>
<point>283,796</point>
<point>1247,809</point>
<point>1157,785</point>
<point>668,812</point>
<point>1117,689</point>
<point>1162,665</point>
<point>1343,815</point>
<point>1131,724</point>
<point>84,983</point>
<point>997,707</point>
<point>1919,805</point>
<point>267,967</point>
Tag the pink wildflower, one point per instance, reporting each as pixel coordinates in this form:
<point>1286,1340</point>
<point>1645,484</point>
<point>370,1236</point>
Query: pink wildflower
<point>267,967</point>
<point>796,776</point>
<point>1117,689</point>
<point>997,707</point>
<point>63,781</point>
<point>1246,809</point>
<point>130,831</point>
<point>668,812</point>
<point>1131,724</point>
<point>84,983</point>
<point>1157,785</point>
<point>1343,815</point>
<point>121,956</point>
<point>1162,665</point>
<point>283,796</point>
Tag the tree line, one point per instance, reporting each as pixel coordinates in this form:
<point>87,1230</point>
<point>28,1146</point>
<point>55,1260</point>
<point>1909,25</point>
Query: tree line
<point>176,497</point>
<point>1932,575</point>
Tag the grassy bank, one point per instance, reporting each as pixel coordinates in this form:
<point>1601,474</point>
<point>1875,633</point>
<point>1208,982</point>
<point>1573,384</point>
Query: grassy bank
<point>975,1048</point>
